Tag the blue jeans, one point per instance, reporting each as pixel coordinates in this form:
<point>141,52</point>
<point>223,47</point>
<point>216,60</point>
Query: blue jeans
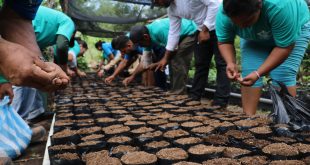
<point>25,8</point>
<point>28,102</point>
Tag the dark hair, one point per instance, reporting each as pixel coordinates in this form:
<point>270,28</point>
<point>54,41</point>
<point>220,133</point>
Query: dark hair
<point>119,42</point>
<point>83,43</point>
<point>137,32</point>
<point>99,43</point>
<point>233,8</point>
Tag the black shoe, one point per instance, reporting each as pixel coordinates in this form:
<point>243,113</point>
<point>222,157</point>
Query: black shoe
<point>41,117</point>
<point>219,104</point>
<point>194,98</point>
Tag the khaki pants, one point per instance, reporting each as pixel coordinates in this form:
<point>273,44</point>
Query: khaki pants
<point>180,63</point>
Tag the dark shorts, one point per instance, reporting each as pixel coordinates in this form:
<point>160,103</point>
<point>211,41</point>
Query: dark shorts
<point>25,8</point>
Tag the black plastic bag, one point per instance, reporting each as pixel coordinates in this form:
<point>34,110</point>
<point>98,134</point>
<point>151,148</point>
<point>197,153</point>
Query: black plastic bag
<point>287,109</point>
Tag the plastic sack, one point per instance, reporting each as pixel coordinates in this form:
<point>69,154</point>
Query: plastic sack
<point>287,109</point>
<point>15,134</point>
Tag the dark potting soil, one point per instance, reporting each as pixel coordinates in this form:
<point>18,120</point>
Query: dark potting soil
<point>205,150</point>
<point>64,133</point>
<point>186,163</point>
<point>203,130</point>
<point>246,123</point>
<point>175,133</point>
<point>259,143</point>
<point>237,134</point>
<point>139,158</point>
<point>189,140</point>
<point>302,148</point>
<point>232,152</point>
<point>157,144</point>
<point>280,149</point>
<point>191,124</point>
<point>89,143</point>
<point>119,130</point>
<point>151,134</point>
<point>193,103</point>
<point>100,158</point>
<point>124,149</point>
<point>158,122</point>
<point>283,139</point>
<point>127,118</point>
<point>222,161</point>
<point>62,147</point>
<point>169,125</point>
<point>180,118</point>
<point>88,130</point>
<point>261,130</point>
<point>287,162</point>
<point>172,154</point>
<point>92,137</point>
<point>119,139</point>
<point>216,139</point>
<point>142,130</point>
<point>257,160</point>
<point>67,156</point>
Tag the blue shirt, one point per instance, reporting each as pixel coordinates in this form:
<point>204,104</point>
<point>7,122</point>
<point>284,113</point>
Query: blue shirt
<point>138,50</point>
<point>107,50</point>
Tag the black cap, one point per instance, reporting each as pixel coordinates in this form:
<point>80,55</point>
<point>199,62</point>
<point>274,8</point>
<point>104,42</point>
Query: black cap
<point>136,33</point>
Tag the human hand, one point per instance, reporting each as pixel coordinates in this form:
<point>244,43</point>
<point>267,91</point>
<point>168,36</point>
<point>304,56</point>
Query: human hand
<point>70,72</point>
<point>162,65</point>
<point>249,80</point>
<point>232,71</point>
<point>203,36</point>
<point>6,90</point>
<point>109,79</point>
<point>152,66</point>
<point>23,69</point>
<point>65,68</point>
<point>100,73</point>
<point>128,80</point>
<point>81,74</point>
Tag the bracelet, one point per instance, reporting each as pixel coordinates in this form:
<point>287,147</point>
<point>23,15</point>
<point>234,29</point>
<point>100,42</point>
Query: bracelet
<point>257,74</point>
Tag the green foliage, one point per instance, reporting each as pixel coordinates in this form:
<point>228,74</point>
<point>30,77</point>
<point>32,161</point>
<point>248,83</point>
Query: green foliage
<point>82,64</point>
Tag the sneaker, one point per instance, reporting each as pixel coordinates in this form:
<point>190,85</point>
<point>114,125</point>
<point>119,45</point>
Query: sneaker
<point>6,161</point>
<point>38,132</point>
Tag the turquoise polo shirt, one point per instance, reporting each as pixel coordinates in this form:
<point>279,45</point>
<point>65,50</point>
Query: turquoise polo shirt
<point>49,23</point>
<point>280,23</point>
<point>159,30</point>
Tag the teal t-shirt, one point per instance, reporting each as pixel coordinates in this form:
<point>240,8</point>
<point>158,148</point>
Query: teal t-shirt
<point>159,30</point>
<point>280,23</point>
<point>49,23</point>
<point>75,48</point>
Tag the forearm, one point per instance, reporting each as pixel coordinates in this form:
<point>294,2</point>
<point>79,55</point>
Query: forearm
<point>138,70</point>
<point>100,64</point>
<point>168,55</point>
<point>228,52</point>
<point>120,68</point>
<point>62,44</point>
<point>277,56</point>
